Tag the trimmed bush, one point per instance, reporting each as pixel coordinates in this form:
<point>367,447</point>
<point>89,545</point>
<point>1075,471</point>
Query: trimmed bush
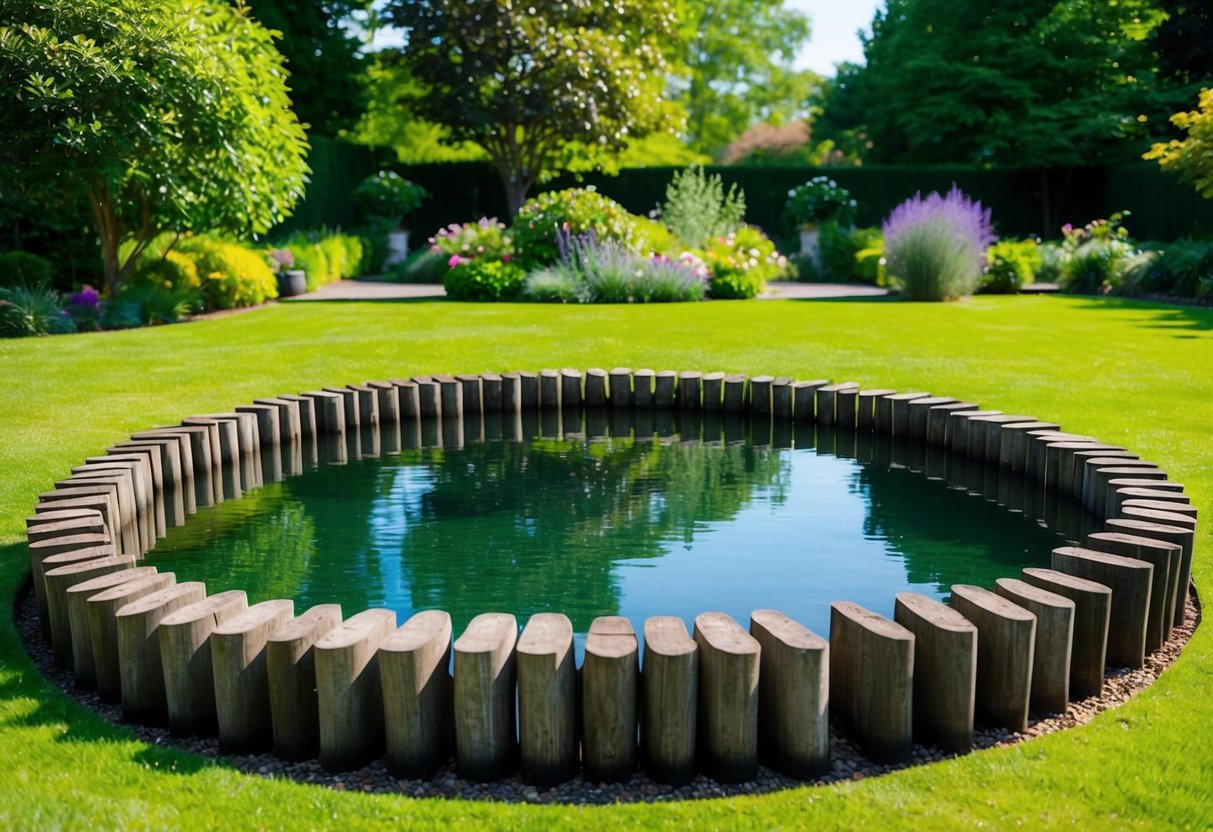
<point>741,264</point>
<point>1011,265</point>
<point>334,256</point>
<point>483,279</point>
<point>22,269</point>
<point>936,247</point>
<point>230,274</point>
<point>577,211</point>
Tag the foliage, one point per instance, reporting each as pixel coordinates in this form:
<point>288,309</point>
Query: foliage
<point>174,274</point>
<point>1182,269</point>
<point>1182,38</point>
<point>387,198</point>
<point>610,273</point>
<point>784,144</point>
<point>32,309</point>
<point>539,85</point>
<point>1094,256</point>
<point>741,263</point>
<point>935,247</point>
<point>321,49</point>
<point>157,114</point>
<point>1011,265</point>
<point>422,266</point>
<point>558,283</point>
<point>466,241</point>
<point>483,279</point>
<point>146,303</point>
<point>326,257</point>
<point>850,254</point>
<point>738,62</point>
<point>697,209</point>
<point>20,268</point>
<point>819,200</point>
<point>230,275</point>
<point>86,308</point>
<point>653,237</point>
<point>577,211</point>
<point>1192,157</point>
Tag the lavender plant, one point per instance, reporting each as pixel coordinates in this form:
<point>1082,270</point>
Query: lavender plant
<point>608,272</point>
<point>935,247</point>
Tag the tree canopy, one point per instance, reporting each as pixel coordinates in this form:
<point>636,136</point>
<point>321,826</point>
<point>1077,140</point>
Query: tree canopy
<point>552,84</point>
<point>159,114</point>
<point>1192,157</point>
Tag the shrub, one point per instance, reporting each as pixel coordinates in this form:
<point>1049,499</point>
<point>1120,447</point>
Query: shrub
<point>697,209</point>
<point>387,198</point>
<point>652,237</point>
<point>175,274</point>
<point>1051,259</point>
<point>1095,256</point>
<point>555,284</point>
<point>309,257</point>
<point>1180,269</point>
<point>230,274</point>
<point>86,309</point>
<point>484,238</point>
<point>610,273</point>
<point>839,253</point>
<point>663,280</point>
<point>819,200</point>
<point>577,211</point>
<point>935,247</point>
<point>149,304</point>
<point>27,310</point>
<point>483,279</point>
<point>422,266</point>
<point>20,268</point>
<point>1011,265</point>
<point>334,257</point>
<point>741,263</point>
<point>355,255</point>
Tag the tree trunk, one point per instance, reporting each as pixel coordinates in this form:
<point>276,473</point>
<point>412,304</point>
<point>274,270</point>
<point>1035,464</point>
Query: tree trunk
<point>109,232</point>
<point>515,193</point>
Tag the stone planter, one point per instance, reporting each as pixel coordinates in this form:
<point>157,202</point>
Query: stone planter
<point>291,282</point>
<point>397,247</point>
<point>810,235</point>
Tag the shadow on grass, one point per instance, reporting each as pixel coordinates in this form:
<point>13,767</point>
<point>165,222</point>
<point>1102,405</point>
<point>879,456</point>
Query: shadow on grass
<point>1182,320</point>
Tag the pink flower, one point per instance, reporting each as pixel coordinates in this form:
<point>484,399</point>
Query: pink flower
<point>505,258</point>
<point>454,261</point>
<point>1067,228</point>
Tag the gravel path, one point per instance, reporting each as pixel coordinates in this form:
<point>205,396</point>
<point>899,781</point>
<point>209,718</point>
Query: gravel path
<point>848,763</point>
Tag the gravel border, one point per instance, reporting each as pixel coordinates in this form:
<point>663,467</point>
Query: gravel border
<point>848,762</point>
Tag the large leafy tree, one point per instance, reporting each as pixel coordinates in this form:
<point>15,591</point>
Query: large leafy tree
<point>1192,157</point>
<point>158,114</point>
<point>542,85</point>
<point>738,70</point>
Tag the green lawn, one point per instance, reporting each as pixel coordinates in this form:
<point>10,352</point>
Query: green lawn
<point>1129,373</point>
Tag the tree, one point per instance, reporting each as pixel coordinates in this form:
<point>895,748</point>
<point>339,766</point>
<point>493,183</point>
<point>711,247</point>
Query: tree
<point>323,53</point>
<point>158,114</point>
<point>1192,157</point>
<point>545,85</point>
<point>738,60</point>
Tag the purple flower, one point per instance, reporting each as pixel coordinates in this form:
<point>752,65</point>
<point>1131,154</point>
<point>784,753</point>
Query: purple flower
<point>87,296</point>
<point>936,246</point>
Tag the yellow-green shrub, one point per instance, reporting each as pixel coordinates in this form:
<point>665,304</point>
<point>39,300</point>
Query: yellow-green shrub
<point>230,274</point>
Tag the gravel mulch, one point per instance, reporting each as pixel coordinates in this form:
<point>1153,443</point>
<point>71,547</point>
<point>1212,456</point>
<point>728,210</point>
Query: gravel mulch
<point>848,762</point>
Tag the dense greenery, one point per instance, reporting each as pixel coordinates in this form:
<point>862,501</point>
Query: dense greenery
<point>1192,157</point>
<point>1128,372</point>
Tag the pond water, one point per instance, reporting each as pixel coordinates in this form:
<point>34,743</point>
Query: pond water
<point>674,524</point>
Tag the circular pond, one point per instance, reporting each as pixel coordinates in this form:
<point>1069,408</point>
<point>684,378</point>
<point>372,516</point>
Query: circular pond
<point>672,519</point>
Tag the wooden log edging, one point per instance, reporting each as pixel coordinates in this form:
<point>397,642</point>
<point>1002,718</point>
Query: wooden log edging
<point>715,703</point>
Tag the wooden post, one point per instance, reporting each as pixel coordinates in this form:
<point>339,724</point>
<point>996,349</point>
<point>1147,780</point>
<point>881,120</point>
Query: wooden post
<point>1130,580</point>
<point>472,403</point>
<point>485,670</point>
<point>82,521</point>
<point>642,388</point>
<point>84,546</point>
<point>571,395</point>
<point>898,412</point>
<point>621,387</point>
<point>804,399</point>
<point>985,435</point>
<point>1155,515</point>
<point>100,611</point>
<point>918,412</point>
<point>148,462</point>
<point>140,668</point>
<point>1166,558</point>
<point>595,388</point>
<point>1183,537</point>
<point>781,400</point>
<point>180,448</point>
<point>713,392</point>
<point>735,394</point>
<point>387,402</point>
<point>130,491</point>
<point>1006,638</point>
<point>1092,608</point>
<point>760,396</point>
<point>511,393</point>
<point>793,695</point>
<point>665,389</point>
<point>871,680</point>
<point>416,681</point>
<point>939,421</point>
<point>1054,641</point>
<point>1098,470</point>
<point>1138,495</point>
<point>185,655</point>
<point>945,670</point>
<point>610,681</point>
<point>290,666</point>
<point>349,698</point>
<point>61,578</point>
<point>410,406</point>
<point>547,700</point>
<point>669,700</point>
<point>690,391</point>
<point>242,688</point>
<point>549,389</point>
<point>307,411</point>
<point>865,407</point>
<point>528,390</point>
<point>1078,467</point>
<point>728,698</point>
<point>172,483</point>
<point>126,530</point>
<point>225,453</point>
<point>958,428</point>
<point>330,411</point>
<point>83,664</point>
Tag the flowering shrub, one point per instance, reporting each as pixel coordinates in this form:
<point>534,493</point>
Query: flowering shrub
<point>741,263</point>
<point>464,242</point>
<point>279,259</point>
<point>935,248</point>
<point>1011,264</point>
<point>577,211</point>
<point>387,198</point>
<point>821,199</point>
<point>85,308</point>
<point>483,279</point>
<point>1094,256</point>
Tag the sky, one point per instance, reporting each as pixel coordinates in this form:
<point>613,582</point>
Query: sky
<point>834,26</point>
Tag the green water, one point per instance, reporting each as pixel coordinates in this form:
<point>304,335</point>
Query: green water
<point>616,526</point>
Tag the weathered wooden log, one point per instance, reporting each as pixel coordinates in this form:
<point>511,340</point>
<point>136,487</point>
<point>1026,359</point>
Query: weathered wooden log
<point>919,411</point>
<point>140,668</point>
<point>669,700</point>
<point>1155,515</point>
<point>269,427</point>
<point>898,412</point>
<point>595,387</point>
<point>147,462</point>
<point>100,611</point>
<point>242,688</point>
<point>846,407</point>
<point>387,402</point>
<point>804,399</point>
<point>781,400</point>
<point>1184,537</point>
<point>1006,638</point>
<point>572,394</point>
<point>728,698</point>
<point>410,405</point>
<point>131,489</point>
<point>1166,558</point>
<point>549,389</point>
<point>958,428</point>
<point>125,529</point>
<point>61,578</point>
<point>945,670</point>
<point>416,683</point>
<point>171,475</point>
<point>290,665</point>
<point>83,664</point>
<point>350,407</point>
<point>1092,610</point>
<point>205,444</point>
<point>665,389</point>
<point>690,390</point>
<point>306,405</point>
<point>330,411</point>
<point>78,546</point>
<point>1119,494</point>
<point>1130,580</point>
<point>825,407</point>
<point>713,392</point>
<point>1054,641</point>
<point>1099,470</point>
<point>547,700</point>
<point>871,680</point>
<point>793,695</point>
<point>429,398</point>
<point>290,423</point>
<point>226,453</point>
<point>485,672</point>
<point>1059,460</point>
<point>1078,467</point>
<point>760,396</point>
<point>642,388</point>
<point>349,698</point>
<point>865,407</point>
<point>621,387</point>
<point>997,432</point>
<point>982,430</point>
<point>735,394</point>
<point>185,459</point>
<point>185,656</point>
<point>472,402</point>
<point>75,521</point>
<point>610,696</point>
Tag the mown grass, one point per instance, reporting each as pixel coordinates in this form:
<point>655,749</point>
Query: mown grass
<point>1130,373</point>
